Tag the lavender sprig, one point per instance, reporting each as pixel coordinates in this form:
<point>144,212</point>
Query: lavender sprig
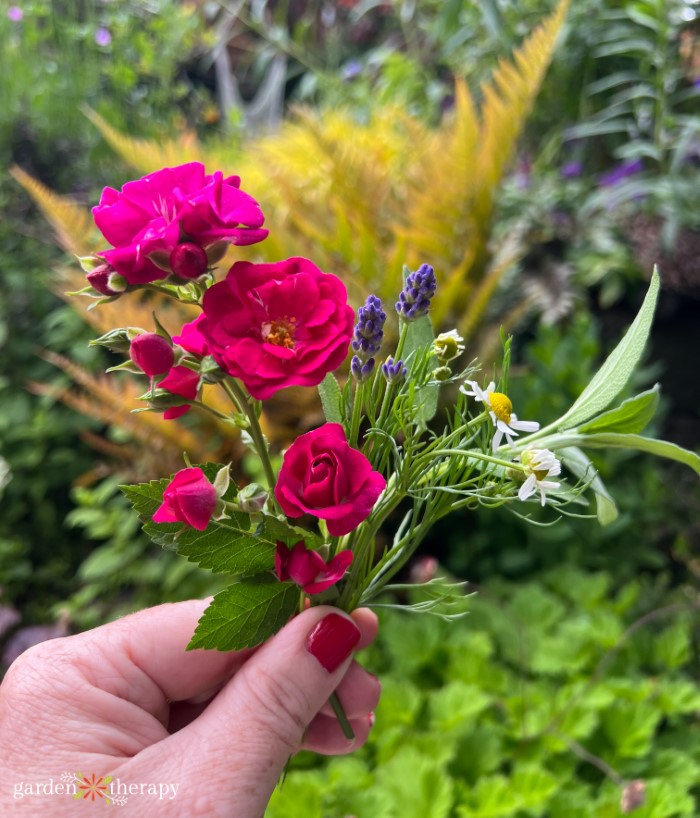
<point>393,371</point>
<point>414,299</point>
<point>369,329</point>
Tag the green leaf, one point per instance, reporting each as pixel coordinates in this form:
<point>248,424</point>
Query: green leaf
<point>662,448</point>
<point>631,416</point>
<point>419,338</point>
<point>611,378</point>
<point>226,546</point>
<point>580,464</point>
<point>331,399</point>
<point>246,614</point>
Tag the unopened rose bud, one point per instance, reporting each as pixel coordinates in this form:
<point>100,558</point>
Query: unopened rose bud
<point>188,260</point>
<point>106,281</point>
<point>152,354</point>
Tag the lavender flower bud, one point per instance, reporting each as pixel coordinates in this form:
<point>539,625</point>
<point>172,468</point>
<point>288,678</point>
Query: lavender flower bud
<point>361,370</point>
<point>369,329</point>
<point>393,372</point>
<point>414,299</point>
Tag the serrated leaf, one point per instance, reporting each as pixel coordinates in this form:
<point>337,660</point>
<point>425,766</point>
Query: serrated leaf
<point>228,546</point>
<point>272,529</point>
<point>246,614</point>
<point>331,399</point>
<point>580,464</point>
<point>611,378</point>
<point>661,448</point>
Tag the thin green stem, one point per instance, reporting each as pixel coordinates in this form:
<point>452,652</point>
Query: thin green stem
<point>356,414</point>
<point>244,401</point>
<point>345,725</point>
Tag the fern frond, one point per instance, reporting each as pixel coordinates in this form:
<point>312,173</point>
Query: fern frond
<point>448,222</point>
<point>146,155</point>
<point>72,223</point>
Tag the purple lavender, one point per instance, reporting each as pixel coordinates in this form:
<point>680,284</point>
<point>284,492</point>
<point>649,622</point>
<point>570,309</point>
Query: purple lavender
<point>361,370</point>
<point>369,329</point>
<point>103,37</point>
<point>414,299</point>
<point>394,372</point>
<point>571,170</point>
<point>621,172</point>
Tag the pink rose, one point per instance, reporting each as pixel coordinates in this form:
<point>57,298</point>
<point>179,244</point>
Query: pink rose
<point>152,354</point>
<point>180,381</point>
<point>308,569</point>
<point>154,213</point>
<point>189,498</point>
<point>323,476</point>
<point>191,339</point>
<point>277,325</point>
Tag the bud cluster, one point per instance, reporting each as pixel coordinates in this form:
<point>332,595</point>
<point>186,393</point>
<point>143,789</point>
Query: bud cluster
<point>414,299</point>
<point>367,338</point>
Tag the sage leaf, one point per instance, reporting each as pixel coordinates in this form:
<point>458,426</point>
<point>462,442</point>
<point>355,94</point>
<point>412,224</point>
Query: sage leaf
<point>331,399</point>
<point>419,338</point>
<point>662,448</point>
<point>612,376</point>
<point>631,416</point>
<point>246,614</point>
<point>580,464</point>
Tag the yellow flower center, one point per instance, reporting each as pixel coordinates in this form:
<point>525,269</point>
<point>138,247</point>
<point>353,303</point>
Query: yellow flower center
<point>280,332</point>
<point>540,474</point>
<point>501,406</point>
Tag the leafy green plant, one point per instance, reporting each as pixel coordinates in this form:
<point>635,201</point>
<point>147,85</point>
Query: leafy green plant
<point>548,699</point>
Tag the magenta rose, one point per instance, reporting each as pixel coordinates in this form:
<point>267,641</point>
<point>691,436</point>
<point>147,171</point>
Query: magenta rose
<point>189,498</point>
<point>191,339</point>
<point>322,475</point>
<point>153,214</point>
<point>277,325</point>
<point>183,382</point>
<point>308,569</point>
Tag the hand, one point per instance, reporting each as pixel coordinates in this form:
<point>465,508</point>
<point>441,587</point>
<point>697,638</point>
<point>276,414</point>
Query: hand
<point>127,700</point>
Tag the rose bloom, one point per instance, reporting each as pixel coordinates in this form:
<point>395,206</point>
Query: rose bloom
<point>153,213</point>
<point>189,498</point>
<point>191,339</point>
<point>308,569</point>
<point>277,325</point>
<point>180,381</point>
<point>322,475</point>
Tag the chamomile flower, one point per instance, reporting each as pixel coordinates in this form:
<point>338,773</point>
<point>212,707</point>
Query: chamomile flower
<point>448,345</point>
<point>501,411</point>
<point>540,464</point>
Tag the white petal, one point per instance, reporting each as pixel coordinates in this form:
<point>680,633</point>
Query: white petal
<point>498,436</point>
<point>527,488</point>
<point>502,426</point>
<point>523,425</point>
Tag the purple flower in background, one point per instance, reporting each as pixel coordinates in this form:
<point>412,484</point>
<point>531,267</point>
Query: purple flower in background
<point>571,170</point>
<point>103,37</point>
<point>351,70</point>
<point>15,14</point>
<point>620,172</point>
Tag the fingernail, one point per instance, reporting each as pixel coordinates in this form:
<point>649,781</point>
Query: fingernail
<point>372,719</point>
<point>332,641</point>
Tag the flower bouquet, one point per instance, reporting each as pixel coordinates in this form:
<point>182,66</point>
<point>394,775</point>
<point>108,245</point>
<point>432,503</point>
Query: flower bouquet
<point>382,461</point>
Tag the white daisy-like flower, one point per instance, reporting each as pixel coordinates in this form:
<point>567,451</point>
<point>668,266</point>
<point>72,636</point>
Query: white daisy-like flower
<point>540,464</point>
<point>501,411</point>
<point>448,345</point>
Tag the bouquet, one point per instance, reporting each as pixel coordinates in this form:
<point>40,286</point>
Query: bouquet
<point>384,461</point>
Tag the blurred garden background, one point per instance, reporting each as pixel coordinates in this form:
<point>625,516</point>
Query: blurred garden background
<point>543,158</point>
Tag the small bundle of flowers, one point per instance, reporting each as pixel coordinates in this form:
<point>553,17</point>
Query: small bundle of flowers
<point>381,462</point>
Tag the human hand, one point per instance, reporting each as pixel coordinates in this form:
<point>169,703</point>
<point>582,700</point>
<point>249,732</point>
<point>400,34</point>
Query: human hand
<point>127,700</point>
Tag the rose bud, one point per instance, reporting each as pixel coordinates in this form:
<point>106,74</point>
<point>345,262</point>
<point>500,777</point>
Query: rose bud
<point>308,569</point>
<point>152,354</point>
<point>188,260</point>
<point>189,498</point>
<point>106,281</point>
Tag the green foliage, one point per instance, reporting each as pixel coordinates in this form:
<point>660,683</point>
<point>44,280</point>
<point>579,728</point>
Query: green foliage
<point>517,709</point>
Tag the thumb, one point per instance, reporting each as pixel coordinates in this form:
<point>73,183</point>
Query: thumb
<point>258,720</point>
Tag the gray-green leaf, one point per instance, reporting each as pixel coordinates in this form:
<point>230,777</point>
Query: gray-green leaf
<point>331,399</point>
<point>580,464</point>
<point>246,614</point>
<point>662,448</point>
<point>631,416</point>
<point>611,378</point>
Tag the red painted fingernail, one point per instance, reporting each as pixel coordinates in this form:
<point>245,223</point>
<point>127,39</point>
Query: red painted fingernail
<point>332,641</point>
